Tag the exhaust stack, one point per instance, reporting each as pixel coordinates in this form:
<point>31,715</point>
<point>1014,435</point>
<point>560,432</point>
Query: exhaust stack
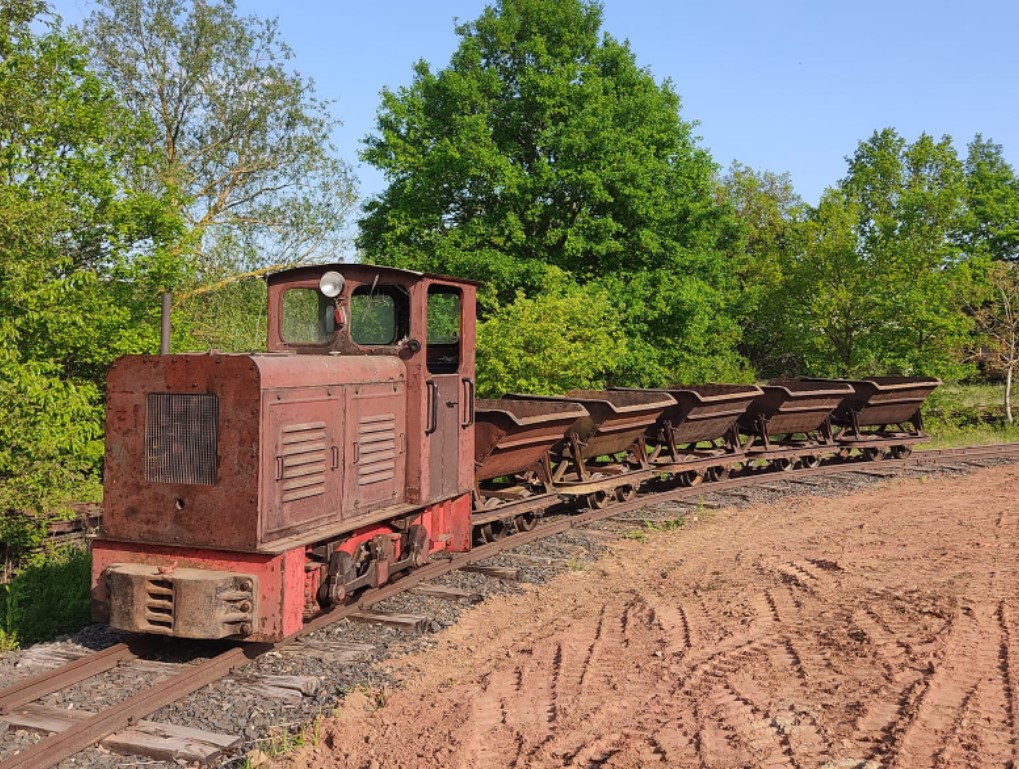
<point>164,326</point>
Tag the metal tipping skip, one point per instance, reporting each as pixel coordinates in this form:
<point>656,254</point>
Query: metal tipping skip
<point>882,415</point>
<point>790,422</point>
<point>697,438</point>
<point>513,466</point>
<point>604,454</point>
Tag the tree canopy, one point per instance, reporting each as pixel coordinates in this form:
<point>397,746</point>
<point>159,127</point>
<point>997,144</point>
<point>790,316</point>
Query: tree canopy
<point>544,144</point>
<point>82,252</point>
<point>242,141</point>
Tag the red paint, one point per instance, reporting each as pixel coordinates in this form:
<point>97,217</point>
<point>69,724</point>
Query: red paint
<point>280,578</point>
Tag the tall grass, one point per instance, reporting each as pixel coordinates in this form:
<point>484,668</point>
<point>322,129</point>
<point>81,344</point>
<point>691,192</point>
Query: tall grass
<point>967,415</point>
<point>45,598</point>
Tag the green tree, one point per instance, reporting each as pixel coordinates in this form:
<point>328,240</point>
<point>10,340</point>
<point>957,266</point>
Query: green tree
<point>81,251</point>
<point>770,214</point>
<point>997,320</point>
<point>242,141</point>
<point>830,286</point>
<point>991,226</point>
<point>544,143</point>
<point>882,253</point>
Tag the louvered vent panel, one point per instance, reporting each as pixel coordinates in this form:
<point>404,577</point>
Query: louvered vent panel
<point>181,440</point>
<point>304,461</point>
<point>376,440</point>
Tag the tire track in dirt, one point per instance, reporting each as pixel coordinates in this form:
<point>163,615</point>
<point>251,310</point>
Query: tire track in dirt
<point>488,715</point>
<point>964,713</point>
<point>834,633</point>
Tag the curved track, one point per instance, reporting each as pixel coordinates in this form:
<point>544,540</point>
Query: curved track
<point>946,701</point>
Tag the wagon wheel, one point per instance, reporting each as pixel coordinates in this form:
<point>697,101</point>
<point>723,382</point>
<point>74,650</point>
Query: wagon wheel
<point>717,473</point>
<point>874,453</point>
<point>598,500</point>
<point>525,521</point>
<point>490,532</point>
<point>689,478</point>
<point>810,461</point>
<point>784,464</point>
<point>626,493</point>
<point>901,452</point>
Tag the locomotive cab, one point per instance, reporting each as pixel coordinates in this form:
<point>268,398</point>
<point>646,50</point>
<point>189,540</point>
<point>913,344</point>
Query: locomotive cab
<point>426,321</point>
<point>246,492</point>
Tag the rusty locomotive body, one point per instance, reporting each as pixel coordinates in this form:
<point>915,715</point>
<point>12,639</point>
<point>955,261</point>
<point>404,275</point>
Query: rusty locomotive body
<point>243,492</point>
<point>246,493</point>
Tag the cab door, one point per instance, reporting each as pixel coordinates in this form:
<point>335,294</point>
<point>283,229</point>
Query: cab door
<point>446,402</point>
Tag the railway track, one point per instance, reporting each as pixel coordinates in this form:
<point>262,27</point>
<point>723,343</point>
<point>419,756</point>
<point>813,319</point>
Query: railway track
<point>130,713</point>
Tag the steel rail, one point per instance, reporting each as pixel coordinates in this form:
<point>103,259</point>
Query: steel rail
<point>57,747</point>
<point>60,745</point>
<point>38,686</point>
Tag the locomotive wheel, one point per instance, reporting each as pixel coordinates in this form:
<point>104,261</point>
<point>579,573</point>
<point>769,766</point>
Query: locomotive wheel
<point>626,493</point>
<point>901,452</point>
<point>717,473</point>
<point>783,465</point>
<point>874,454</point>
<point>810,461</point>
<point>598,500</point>
<point>525,521</point>
<point>341,570</point>
<point>417,539</point>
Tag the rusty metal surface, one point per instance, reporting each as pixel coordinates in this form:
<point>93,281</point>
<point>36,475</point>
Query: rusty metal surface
<point>277,585</point>
<point>427,479</point>
<point>288,435</point>
<point>152,512</point>
<point>793,406</point>
<point>877,401</point>
<point>705,412</point>
<point>616,418</point>
<point>183,603</point>
<point>445,417</point>
<point>511,436</point>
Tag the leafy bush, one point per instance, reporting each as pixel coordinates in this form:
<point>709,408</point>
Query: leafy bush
<point>563,340</point>
<point>50,444</point>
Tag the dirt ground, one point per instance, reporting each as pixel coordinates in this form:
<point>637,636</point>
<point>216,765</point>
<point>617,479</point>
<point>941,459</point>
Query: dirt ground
<point>875,630</point>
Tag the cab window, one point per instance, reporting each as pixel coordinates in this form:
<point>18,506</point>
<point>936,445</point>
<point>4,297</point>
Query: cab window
<point>307,317</point>
<point>378,315</point>
<point>443,330</point>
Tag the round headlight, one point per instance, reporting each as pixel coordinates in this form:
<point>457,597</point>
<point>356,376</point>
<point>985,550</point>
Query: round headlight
<point>331,284</point>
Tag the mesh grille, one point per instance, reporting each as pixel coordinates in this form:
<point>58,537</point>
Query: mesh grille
<point>180,438</point>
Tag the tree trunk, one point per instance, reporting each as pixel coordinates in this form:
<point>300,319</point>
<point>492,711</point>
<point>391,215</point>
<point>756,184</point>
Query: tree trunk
<point>1008,394</point>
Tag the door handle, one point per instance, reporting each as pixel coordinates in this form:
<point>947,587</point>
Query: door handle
<point>470,390</point>
<point>433,410</point>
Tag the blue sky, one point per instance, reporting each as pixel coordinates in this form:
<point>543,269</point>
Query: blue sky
<point>784,86</point>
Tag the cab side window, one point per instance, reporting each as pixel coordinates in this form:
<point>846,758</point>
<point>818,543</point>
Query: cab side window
<point>444,330</point>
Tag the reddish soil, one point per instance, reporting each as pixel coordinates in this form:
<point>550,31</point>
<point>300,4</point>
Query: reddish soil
<point>875,630</point>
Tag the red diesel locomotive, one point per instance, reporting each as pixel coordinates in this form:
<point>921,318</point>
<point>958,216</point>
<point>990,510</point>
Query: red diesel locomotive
<point>245,492</point>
